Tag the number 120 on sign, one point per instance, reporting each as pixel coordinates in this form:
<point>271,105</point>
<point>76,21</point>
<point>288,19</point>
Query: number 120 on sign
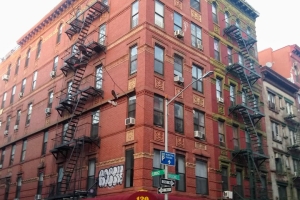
<point>142,198</point>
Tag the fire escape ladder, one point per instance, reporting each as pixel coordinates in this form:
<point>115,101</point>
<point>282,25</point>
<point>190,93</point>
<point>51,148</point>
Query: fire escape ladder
<point>248,110</point>
<point>70,166</point>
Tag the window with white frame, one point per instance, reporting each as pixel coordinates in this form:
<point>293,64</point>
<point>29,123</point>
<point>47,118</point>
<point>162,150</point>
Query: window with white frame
<point>23,154</point>
<point>134,14</point>
<point>98,77</point>
<point>221,133</point>
<point>199,122</point>
<point>102,36</point>
<point>214,12</point>
<point>159,14</point>
<point>133,59</point>
<point>18,117</point>
<point>232,91</point>
<point>55,63</point>
<point>7,123</point>
<point>159,60</point>
<point>275,132</point>
<point>59,32</point>
<point>23,85</point>
<point>219,87</point>
<point>278,163</point>
<point>196,35</point>
<point>229,55</point>
<point>178,62</point>
<point>271,100</point>
<point>289,108</point>
<point>241,59</point>
<point>39,48</point>
<point>12,155</point>
<point>177,21</point>
<point>29,112</point>
<point>217,49</point>
<point>34,78</point>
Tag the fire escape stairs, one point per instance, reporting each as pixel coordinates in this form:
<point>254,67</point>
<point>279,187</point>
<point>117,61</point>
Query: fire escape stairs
<point>76,98</point>
<point>248,110</point>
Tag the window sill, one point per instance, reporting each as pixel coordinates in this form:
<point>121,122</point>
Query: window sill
<point>277,141</point>
<point>132,75</point>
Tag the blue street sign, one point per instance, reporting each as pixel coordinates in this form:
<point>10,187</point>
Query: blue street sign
<point>167,158</point>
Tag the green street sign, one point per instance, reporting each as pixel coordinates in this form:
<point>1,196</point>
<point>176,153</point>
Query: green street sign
<point>174,176</point>
<point>158,172</point>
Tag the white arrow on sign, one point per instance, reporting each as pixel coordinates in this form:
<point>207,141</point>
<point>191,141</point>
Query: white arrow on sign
<point>164,190</point>
<point>167,182</point>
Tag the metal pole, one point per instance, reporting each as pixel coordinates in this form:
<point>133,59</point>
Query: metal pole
<point>166,140</point>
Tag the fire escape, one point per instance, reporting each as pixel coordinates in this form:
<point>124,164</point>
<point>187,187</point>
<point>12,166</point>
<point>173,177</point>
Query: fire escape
<point>248,110</point>
<point>71,143</point>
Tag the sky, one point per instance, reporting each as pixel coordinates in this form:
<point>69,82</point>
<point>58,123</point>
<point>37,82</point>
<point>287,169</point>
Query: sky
<point>276,27</point>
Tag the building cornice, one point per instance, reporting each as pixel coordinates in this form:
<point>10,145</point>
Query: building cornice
<point>278,81</point>
<point>51,16</point>
<point>243,6</point>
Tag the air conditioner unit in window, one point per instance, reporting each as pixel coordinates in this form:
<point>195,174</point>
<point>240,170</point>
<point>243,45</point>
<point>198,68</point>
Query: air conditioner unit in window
<point>38,197</point>
<point>5,77</point>
<point>129,121</point>
<point>52,74</point>
<point>21,94</point>
<point>16,127</point>
<point>6,132</point>
<point>227,194</point>
<point>199,45</point>
<point>179,34</point>
<point>220,99</point>
<point>48,111</point>
<point>198,134</point>
<point>178,79</point>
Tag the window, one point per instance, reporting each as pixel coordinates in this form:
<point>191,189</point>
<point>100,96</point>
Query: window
<point>221,133</point>
<point>229,55</point>
<point>241,59</point>
<point>215,12</point>
<point>13,92</point>
<point>158,111</point>
<point>179,124</point>
<point>3,100</point>
<point>159,14</point>
<point>159,60</point>
<point>217,49</point>
<point>19,184</point>
<point>69,91</point>
<point>7,186</point>
<point>74,49</point>
<point>12,156</point>
<point>197,74</point>
<point>2,157</point>
<point>40,183</point>
<point>232,92</point>
<point>195,4</point>
<point>91,174</point>
<point>8,70</point>
<point>289,108</point>
<point>59,32</point>
<point>278,163</point>
<point>133,60</point>
<point>293,138</point>
<point>199,124</point>
<point>23,85</point>
<point>55,63</point>
<point>296,164</point>
<point>105,2</point>
<point>243,98</point>
<point>201,177</point>
<point>59,179</point>
<point>64,132</point>
<point>134,14</point>
<point>227,19</point>
<point>177,21</point>
<point>129,165</point>
<point>275,132</point>
<point>271,100</point>
<point>219,87</point>
<point>247,140</point>
<point>95,124</point>
<point>131,106</point>
<point>156,166</point>
<point>196,35</point>
<point>18,117</point>
<point>224,173</point>
<point>50,99</point>
<point>29,111</point>
<point>282,192</point>
<point>39,48</point>
<point>239,183</point>
<point>237,23</point>
<point>8,123</point>
<point>27,58</point>
<point>102,36</point>
<point>34,80</point>
<point>17,65</point>
<point>45,142</point>
<point>177,65</point>
<point>180,170</point>
<point>98,79</point>
<point>235,132</point>
<point>23,154</point>
<point>248,31</point>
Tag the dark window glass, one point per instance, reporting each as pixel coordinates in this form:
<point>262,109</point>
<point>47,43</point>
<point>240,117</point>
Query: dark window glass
<point>180,170</point>
<point>95,124</point>
<point>12,156</point>
<point>197,73</point>
<point>129,165</point>
<point>23,154</point>
<point>158,111</point>
<point>224,179</point>
<point>201,177</point>
<point>178,65</point>
<point>13,92</point>
<point>159,60</point>
<point>45,142</point>
<point>18,65</point>
<point>179,124</point>
<point>39,48</point>
<point>177,21</point>
<point>59,32</point>
<point>199,123</point>
<point>134,14</point>
<point>29,112</point>
<point>195,4</point>
<point>27,58</point>
<point>215,12</point>
<point>156,166</point>
<point>19,184</point>
<point>40,183</point>
<point>131,106</point>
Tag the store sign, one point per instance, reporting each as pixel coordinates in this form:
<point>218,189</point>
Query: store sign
<point>142,195</point>
<point>111,176</point>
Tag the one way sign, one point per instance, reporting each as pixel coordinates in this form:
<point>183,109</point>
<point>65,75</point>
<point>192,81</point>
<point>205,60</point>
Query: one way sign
<point>167,182</point>
<point>164,190</point>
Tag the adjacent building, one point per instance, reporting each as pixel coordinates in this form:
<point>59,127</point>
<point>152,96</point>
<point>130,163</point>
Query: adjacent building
<point>82,112</point>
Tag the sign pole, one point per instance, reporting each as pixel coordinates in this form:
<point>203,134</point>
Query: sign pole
<point>166,141</point>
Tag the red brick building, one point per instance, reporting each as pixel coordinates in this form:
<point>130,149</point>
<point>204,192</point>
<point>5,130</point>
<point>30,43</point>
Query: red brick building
<point>82,111</point>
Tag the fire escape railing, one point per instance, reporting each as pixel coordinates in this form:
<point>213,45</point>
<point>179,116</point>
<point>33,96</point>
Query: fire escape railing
<point>249,108</point>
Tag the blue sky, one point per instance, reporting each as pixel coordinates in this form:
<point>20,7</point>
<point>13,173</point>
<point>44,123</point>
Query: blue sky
<point>276,27</point>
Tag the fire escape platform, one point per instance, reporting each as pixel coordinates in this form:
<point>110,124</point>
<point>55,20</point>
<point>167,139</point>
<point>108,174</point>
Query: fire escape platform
<point>75,26</point>
<point>256,114</point>
<point>236,33</point>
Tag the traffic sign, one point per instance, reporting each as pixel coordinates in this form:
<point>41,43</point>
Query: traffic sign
<point>158,172</point>
<point>167,182</point>
<point>164,190</point>
<point>174,176</point>
<point>167,158</point>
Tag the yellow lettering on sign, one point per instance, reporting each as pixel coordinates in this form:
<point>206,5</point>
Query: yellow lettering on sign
<point>142,198</point>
